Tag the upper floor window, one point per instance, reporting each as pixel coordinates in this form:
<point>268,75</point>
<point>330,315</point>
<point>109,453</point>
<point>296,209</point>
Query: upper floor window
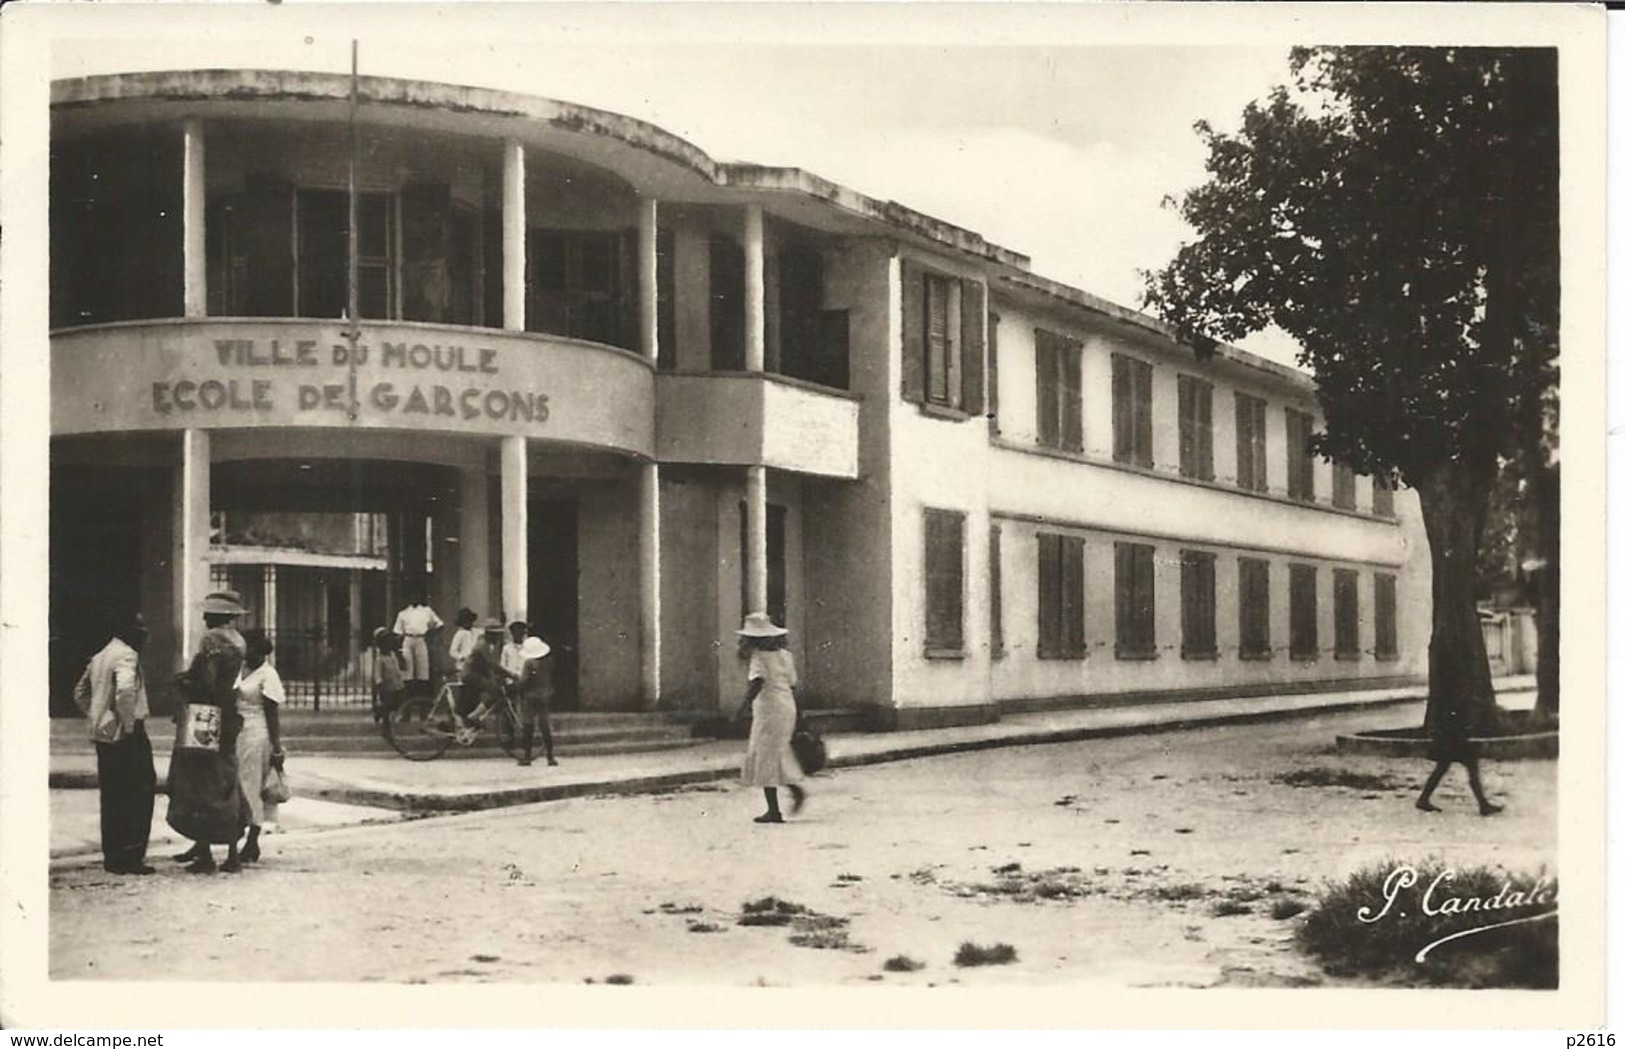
<point>1251,465</point>
<point>1131,410</point>
<point>1382,497</point>
<point>1060,391</point>
<point>583,284</point>
<point>1195,428</point>
<point>1300,466</point>
<point>944,582</point>
<point>1343,486</point>
<point>944,340</point>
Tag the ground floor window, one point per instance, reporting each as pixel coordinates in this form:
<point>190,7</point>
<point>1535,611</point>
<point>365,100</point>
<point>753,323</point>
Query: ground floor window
<point>1060,597</point>
<point>1254,608</point>
<point>1386,625</point>
<point>1304,615</point>
<point>995,590</point>
<point>1136,601</point>
<point>944,582</point>
<point>1346,612</point>
<point>1198,638</point>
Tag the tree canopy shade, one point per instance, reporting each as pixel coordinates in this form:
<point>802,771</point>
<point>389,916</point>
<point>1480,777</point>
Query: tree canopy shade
<point>1396,212</point>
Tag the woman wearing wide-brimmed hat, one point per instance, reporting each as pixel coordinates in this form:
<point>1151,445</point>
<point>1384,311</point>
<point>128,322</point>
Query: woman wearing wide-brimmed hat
<point>206,802</point>
<point>769,761</point>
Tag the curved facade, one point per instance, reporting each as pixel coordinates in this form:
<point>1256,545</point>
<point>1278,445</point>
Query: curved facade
<point>588,376</point>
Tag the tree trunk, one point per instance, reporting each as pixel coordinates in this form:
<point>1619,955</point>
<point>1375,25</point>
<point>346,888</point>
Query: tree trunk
<point>1548,583</point>
<point>1454,501</point>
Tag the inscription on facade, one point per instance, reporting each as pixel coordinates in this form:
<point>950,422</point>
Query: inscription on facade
<point>405,397</point>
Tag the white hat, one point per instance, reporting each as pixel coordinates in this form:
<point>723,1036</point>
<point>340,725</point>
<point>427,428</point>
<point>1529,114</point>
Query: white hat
<point>534,648</point>
<point>224,603</point>
<point>757,624</point>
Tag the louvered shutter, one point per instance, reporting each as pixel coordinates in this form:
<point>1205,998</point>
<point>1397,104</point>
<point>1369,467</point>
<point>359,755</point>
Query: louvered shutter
<point>1070,358</point>
<point>913,374</point>
<point>973,343</point>
<point>1047,356</point>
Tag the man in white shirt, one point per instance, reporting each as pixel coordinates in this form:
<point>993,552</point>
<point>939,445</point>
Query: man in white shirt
<point>113,697</point>
<point>414,624</point>
<point>512,662</point>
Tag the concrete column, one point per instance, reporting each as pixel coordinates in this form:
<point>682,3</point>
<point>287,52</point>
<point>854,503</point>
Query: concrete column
<point>191,539</point>
<point>268,598</point>
<point>513,236</point>
<point>756,538</point>
<point>195,297</point>
<point>648,279</point>
<point>755,293</point>
<point>515,528</point>
<point>473,542</point>
<point>649,574</point>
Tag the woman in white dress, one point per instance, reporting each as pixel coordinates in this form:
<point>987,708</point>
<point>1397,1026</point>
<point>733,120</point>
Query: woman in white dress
<point>771,672</point>
<point>259,746</point>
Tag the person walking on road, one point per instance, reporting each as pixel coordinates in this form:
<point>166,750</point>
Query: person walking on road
<point>259,745</point>
<point>415,623</point>
<point>113,695</point>
<point>1452,743</point>
<point>771,673</point>
<point>536,697</point>
<point>206,802</point>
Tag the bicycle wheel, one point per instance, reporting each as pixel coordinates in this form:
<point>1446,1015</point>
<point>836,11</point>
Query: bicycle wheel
<point>412,730</point>
<point>508,730</point>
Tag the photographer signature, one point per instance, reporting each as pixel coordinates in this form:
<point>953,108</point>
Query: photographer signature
<point>1437,900</point>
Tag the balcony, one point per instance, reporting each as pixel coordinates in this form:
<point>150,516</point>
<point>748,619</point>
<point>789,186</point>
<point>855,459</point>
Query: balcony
<point>750,419</point>
<point>245,373</point>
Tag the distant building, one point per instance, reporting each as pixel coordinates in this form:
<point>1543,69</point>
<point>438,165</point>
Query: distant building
<point>604,382</point>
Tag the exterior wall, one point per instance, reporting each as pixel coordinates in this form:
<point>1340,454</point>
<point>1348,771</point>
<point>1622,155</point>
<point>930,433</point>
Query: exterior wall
<point>848,530</point>
<point>940,464</point>
<point>691,649</point>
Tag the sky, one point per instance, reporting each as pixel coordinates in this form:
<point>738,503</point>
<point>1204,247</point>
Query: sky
<point>1041,141</point>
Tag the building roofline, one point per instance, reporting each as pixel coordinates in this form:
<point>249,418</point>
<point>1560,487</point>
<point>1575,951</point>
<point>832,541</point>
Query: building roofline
<point>248,85</point>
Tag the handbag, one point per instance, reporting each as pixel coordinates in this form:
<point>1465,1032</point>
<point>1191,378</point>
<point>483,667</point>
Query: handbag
<point>198,727</point>
<point>276,786</point>
<point>808,747</point>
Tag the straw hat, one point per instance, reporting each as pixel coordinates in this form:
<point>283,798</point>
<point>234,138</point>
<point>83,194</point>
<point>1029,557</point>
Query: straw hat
<point>534,648</point>
<point>492,623</point>
<point>224,603</point>
<point>757,624</point>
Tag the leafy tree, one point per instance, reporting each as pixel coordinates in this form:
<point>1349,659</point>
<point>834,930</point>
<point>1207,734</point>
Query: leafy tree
<point>1396,213</point>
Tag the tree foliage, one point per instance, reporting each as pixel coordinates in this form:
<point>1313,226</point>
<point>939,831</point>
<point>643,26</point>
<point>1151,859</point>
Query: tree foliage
<point>1396,212</point>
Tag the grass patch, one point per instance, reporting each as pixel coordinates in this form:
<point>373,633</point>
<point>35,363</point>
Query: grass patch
<point>1187,890</point>
<point>1287,907</point>
<point>769,910</point>
<point>619,979</point>
<point>973,954</point>
<point>902,963</point>
<point>1385,949</point>
<point>704,927</point>
<point>1227,908</point>
<point>1320,776</point>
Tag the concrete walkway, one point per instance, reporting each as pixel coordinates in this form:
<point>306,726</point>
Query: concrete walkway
<point>337,789</point>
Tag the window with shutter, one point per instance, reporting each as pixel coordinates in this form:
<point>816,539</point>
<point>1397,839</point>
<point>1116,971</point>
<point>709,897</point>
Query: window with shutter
<point>1195,428</point>
<point>1060,366</point>
<point>1196,596</point>
<point>1382,497</point>
<point>944,583</point>
<point>1254,608</point>
<point>993,371</point>
<point>1300,469</point>
<point>1131,411</point>
<point>1343,486</point>
<point>1303,615</point>
<point>1385,613</point>
<point>971,346</point>
<point>1136,601</point>
<point>939,370</point>
<point>1060,597</point>
<point>995,589</point>
<point>1251,467</point>
<point>1346,612</point>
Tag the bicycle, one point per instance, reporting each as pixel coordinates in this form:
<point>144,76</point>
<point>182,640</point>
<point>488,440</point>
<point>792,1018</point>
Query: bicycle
<point>422,729</point>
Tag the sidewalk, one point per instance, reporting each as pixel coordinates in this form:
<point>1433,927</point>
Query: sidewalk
<point>336,789</point>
